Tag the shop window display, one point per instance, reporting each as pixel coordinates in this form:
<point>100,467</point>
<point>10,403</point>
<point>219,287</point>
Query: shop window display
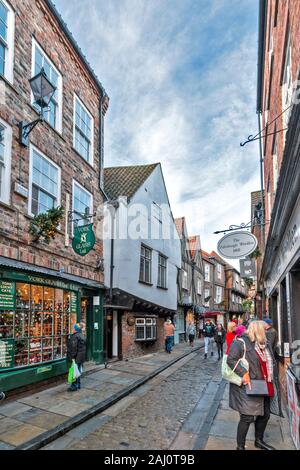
<point>40,324</point>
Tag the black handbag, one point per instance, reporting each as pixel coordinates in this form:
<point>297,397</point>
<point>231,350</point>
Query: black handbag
<point>258,388</point>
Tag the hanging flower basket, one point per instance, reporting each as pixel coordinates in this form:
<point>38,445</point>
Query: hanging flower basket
<point>44,227</point>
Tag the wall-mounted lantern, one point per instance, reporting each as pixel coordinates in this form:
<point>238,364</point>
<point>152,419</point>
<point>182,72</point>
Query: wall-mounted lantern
<point>43,91</point>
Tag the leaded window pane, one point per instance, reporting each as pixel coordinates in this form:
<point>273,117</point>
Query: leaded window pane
<point>3,21</point>
<point>83,131</point>
<point>2,59</point>
<point>82,203</point>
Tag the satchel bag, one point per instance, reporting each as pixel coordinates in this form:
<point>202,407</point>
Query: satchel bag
<point>229,374</point>
<point>259,388</point>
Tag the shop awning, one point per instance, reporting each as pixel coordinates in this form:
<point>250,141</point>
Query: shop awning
<point>212,314</point>
<point>19,265</point>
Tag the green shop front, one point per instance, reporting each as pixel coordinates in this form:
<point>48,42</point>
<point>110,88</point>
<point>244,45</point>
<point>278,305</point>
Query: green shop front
<point>38,308</point>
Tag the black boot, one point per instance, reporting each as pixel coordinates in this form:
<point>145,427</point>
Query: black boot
<point>240,448</point>
<point>212,354</point>
<point>205,356</point>
<point>260,444</point>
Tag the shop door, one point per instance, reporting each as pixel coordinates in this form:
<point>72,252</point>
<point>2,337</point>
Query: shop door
<point>109,336</point>
<point>86,319</point>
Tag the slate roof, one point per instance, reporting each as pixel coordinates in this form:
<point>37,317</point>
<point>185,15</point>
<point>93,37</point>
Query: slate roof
<point>126,180</point>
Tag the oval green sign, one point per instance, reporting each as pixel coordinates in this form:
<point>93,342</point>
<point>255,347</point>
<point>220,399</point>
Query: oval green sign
<point>84,239</point>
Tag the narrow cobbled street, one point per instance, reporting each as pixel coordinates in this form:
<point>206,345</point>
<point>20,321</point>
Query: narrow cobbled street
<point>176,410</point>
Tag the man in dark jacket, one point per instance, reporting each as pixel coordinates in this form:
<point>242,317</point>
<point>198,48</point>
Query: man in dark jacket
<point>77,351</point>
<point>209,333</point>
<point>271,333</point>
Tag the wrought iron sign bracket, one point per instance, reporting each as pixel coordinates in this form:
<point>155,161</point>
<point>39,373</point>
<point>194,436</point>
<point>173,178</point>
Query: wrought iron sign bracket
<point>259,136</point>
<point>73,216</point>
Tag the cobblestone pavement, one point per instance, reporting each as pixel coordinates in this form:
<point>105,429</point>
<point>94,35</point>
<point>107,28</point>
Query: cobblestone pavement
<point>152,416</point>
<point>183,408</point>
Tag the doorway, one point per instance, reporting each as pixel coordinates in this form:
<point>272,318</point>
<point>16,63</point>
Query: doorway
<point>112,335</point>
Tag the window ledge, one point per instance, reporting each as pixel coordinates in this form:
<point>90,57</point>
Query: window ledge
<point>10,84</point>
<point>7,206</point>
<point>146,283</point>
<point>145,340</point>
<point>162,288</point>
<point>82,158</point>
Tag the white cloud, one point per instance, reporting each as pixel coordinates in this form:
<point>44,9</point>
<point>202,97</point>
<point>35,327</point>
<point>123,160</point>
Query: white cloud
<point>181,76</point>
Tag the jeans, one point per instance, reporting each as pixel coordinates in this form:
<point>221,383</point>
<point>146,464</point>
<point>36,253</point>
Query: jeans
<point>77,384</point>
<point>191,339</point>
<point>220,349</point>
<point>209,344</point>
<point>169,343</point>
<point>260,424</point>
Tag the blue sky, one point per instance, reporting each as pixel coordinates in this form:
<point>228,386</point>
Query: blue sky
<point>181,77</point>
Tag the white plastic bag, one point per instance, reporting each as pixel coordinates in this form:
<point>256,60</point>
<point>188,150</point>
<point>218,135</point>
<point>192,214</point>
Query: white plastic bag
<point>76,371</point>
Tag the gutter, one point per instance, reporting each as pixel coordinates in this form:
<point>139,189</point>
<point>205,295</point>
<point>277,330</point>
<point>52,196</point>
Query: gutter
<point>262,25</point>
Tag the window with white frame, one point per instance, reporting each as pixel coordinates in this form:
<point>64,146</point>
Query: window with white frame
<point>145,329</point>
<point>219,271</point>
<point>44,183</point>
<point>83,131</point>
<point>7,27</point>
<point>207,272</point>
<point>162,271</point>
<point>40,61</point>
<point>219,294</point>
<point>184,279</point>
<point>82,205</point>
<point>5,161</point>
<point>146,265</point>
<point>199,287</point>
<point>207,296</point>
<point>287,83</point>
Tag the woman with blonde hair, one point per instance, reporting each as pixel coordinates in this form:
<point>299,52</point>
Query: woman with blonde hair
<point>231,327</point>
<point>258,394</point>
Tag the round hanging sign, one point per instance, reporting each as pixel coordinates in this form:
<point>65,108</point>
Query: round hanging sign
<point>237,245</point>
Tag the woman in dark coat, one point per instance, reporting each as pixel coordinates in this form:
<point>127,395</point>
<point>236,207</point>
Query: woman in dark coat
<point>220,336</point>
<point>262,366</point>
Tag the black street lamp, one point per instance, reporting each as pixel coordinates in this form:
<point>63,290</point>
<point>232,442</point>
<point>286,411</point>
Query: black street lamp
<point>43,91</point>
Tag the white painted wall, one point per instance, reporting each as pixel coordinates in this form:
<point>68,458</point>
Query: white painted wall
<point>127,252</point>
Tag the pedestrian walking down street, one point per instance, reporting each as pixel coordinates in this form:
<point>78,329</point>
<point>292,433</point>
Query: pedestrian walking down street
<point>76,350</point>
<point>230,335</point>
<point>169,335</point>
<point>271,333</point>
<point>220,336</point>
<point>191,332</point>
<point>209,333</point>
<point>261,379</point>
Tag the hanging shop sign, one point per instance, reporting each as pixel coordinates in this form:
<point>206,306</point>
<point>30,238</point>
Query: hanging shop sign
<point>84,239</point>
<point>237,245</point>
<point>7,353</point>
<point>7,295</point>
<point>248,268</point>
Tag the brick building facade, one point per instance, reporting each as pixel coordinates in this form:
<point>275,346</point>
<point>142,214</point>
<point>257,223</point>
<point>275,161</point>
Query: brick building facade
<point>62,166</point>
<point>279,109</point>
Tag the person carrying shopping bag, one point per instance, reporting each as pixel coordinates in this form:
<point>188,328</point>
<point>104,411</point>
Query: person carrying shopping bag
<point>258,395</point>
<point>76,351</point>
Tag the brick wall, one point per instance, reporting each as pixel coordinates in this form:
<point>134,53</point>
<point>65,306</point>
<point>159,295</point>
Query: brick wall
<point>131,348</point>
<point>33,20</point>
<point>288,17</point>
